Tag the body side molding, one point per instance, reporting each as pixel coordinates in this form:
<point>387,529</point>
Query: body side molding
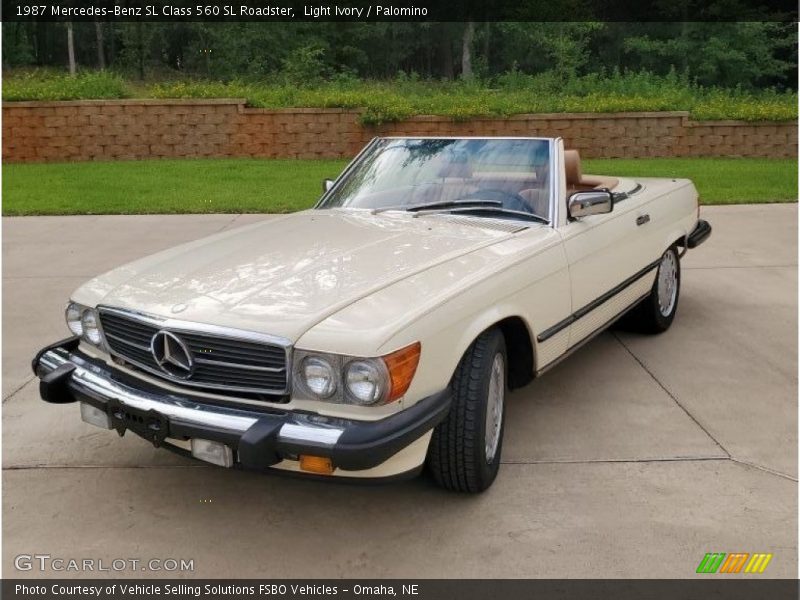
<point>597,302</point>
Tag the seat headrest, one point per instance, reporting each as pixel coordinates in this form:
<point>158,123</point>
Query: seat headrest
<point>572,167</point>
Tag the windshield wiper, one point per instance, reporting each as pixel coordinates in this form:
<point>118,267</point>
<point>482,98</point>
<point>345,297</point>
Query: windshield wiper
<point>454,204</point>
<point>467,206</point>
<point>499,209</point>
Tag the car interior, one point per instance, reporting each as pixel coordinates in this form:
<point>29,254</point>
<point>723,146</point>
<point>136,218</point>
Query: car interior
<point>458,181</point>
<point>578,182</point>
<point>456,178</point>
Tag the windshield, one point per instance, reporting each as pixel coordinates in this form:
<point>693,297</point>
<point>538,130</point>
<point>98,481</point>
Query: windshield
<point>484,177</point>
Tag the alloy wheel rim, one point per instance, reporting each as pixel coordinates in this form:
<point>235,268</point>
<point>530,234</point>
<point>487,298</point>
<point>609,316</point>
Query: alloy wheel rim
<point>667,283</point>
<point>494,406</point>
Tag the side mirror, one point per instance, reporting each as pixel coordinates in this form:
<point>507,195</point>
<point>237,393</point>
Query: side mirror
<point>595,202</point>
<point>327,184</point>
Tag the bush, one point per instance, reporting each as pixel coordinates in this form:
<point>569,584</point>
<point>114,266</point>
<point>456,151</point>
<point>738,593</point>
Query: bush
<point>305,66</point>
<point>407,95</point>
<point>49,85</point>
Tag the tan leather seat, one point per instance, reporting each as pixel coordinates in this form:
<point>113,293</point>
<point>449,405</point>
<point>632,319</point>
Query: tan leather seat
<point>526,185</point>
<point>577,181</point>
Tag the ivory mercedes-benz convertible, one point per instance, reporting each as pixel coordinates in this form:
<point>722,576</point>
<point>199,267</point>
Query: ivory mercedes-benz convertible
<point>380,331</point>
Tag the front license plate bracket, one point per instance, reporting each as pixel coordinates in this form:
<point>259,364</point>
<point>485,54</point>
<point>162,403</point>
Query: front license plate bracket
<point>149,424</point>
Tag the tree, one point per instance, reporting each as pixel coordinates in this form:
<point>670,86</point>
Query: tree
<point>446,49</point>
<point>466,50</point>
<point>747,54</point>
<point>101,55</point>
<point>71,48</point>
<point>561,48</point>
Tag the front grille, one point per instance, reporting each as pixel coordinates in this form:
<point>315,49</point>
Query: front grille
<point>220,362</point>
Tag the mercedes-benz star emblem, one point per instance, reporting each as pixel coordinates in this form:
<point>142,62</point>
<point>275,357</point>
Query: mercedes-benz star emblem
<point>171,354</point>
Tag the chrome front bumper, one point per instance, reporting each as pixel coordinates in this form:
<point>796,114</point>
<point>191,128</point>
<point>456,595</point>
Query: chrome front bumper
<point>93,380</point>
<point>258,438</point>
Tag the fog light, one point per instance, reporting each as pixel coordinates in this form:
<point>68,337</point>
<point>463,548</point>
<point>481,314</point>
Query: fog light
<point>212,452</point>
<point>316,464</point>
<point>95,416</point>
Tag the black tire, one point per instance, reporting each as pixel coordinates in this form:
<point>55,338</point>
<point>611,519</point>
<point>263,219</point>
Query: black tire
<point>647,316</point>
<point>457,456</point>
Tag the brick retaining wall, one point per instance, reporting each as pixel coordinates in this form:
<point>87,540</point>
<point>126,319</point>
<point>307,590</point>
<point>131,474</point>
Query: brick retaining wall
<point>130,129</point>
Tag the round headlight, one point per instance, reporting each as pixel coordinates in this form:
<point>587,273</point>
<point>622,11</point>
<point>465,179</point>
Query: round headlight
<point>73,316</point>
<point>318,376</point>
<point>91,331</point>
<point>365,381</point>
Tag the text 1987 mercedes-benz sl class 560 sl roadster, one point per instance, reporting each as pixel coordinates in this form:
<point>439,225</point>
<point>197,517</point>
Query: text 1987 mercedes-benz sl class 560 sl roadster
<point>381,330</point>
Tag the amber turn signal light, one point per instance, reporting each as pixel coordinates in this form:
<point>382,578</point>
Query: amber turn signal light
<point>402,365</point>
<point>316,464</point>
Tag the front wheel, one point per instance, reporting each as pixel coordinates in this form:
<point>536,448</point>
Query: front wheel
<point>464,453</point>
<point>656,312</point>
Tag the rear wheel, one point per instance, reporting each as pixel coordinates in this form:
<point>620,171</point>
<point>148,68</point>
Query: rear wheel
<point>656,312</point>
<point>465,449</point>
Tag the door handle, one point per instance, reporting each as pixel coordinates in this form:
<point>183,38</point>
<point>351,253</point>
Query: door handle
<point>642,219</point>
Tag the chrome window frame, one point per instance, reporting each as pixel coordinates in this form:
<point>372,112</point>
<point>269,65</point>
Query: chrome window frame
<point>179,326</point>
<point>555,174</point>
<point>343,175</point>
<point>552,148</point>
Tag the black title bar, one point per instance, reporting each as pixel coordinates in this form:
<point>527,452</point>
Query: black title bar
<point>747,587</point>
<point>400,10</point>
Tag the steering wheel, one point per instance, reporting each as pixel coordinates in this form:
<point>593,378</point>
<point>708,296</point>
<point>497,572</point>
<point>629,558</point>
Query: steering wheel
<point>510,200</point>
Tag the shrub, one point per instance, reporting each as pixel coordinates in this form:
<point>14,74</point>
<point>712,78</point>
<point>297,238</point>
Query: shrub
<point>49,85</point>
<point>305,66</point>
<point>407,95</point>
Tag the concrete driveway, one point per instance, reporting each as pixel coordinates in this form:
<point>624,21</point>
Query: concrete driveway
<point>632,459</point>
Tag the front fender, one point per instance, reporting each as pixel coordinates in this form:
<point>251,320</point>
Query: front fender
<point>447,307</point>
<point>442,352</point>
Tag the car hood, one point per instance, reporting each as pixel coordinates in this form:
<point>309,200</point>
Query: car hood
<point>282,276</point>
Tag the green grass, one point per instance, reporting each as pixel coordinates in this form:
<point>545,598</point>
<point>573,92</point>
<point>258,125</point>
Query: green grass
<point>718,180</point>
<point>403,97</point>
<point>277,186</point>
<point>164,186</point>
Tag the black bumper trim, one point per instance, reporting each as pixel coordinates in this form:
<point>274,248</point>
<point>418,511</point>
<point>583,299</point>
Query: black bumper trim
<point>361,445</point>
<point>381,439</point>
<point>699,234</point>
<point>54,386</point>
<point>69,344</point>
<point>258,445</point>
